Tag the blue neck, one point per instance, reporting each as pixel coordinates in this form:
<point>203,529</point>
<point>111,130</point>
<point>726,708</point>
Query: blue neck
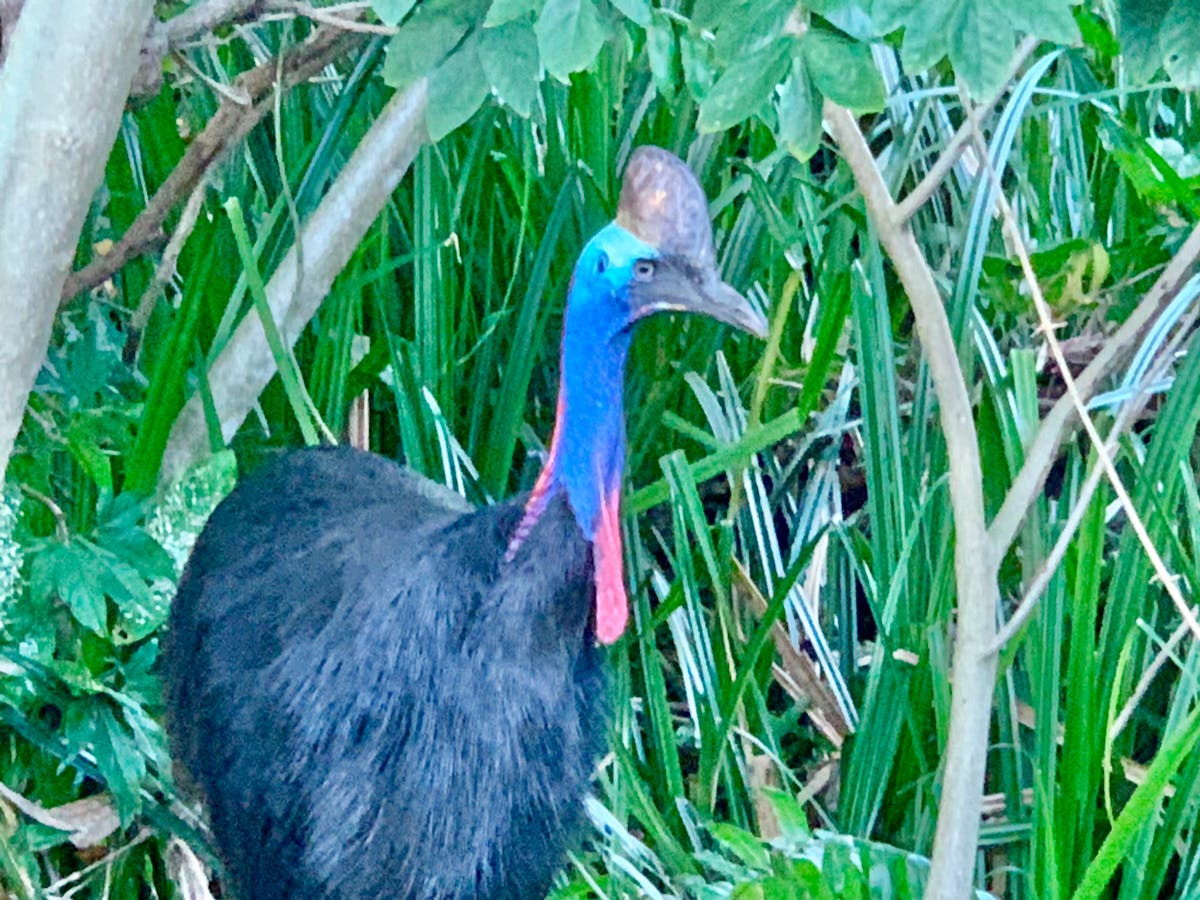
<point>590,431</point>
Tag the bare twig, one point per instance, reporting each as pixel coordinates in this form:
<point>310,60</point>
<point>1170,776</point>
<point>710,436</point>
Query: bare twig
<point>1165,652</point>
<point>975,571</point>
<point>228,126</point>
<point>166,37</point>
<point>335,17</point>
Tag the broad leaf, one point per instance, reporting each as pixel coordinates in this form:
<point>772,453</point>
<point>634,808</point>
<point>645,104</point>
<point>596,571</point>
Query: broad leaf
<point>888,15</point>
<point>426,39</point>
<point>745,86</point>
<point>851,16</point>
<point>798,107</point>
<point>1140,21</point>
<point>1180,43</point>
<point>1050,20</point>
<point>663,54</point>
<point>392,12</point>
<point>981,47</point>
<point>71,573</point>
<point>570,34</point>
<point>509,56</point>
<point>502,11</point>
<point>843,70</point>
<point>637,11</point>
<point>926,37</point>
<point>456,90</point>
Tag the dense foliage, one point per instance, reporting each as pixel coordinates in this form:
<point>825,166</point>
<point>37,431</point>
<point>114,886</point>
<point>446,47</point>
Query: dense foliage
<point>781,707</point>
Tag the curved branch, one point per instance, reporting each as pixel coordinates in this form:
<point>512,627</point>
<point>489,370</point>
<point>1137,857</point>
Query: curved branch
<point>975,572</point>
<point>1062,420</point>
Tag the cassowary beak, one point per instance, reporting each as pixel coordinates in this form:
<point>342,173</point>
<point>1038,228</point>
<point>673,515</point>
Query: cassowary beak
<point>672,284</point>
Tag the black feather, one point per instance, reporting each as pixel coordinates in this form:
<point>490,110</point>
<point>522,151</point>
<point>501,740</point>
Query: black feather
<point>373,702</point>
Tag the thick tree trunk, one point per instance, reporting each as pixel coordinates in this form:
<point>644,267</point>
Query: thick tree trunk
<point>65,81</point>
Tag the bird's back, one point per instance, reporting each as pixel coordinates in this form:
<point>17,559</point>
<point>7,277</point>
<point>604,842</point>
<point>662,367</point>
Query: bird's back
<point>371,700</point>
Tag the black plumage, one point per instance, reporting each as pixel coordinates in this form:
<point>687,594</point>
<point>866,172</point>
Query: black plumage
<point>472,676</point>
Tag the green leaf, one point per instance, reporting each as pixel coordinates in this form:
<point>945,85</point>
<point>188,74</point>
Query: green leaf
<point>888,15</point>
<point>851,16</point>
<point>502,11</point>
<point>789,815</point>
<point>456,90</point>
<point>981,46</point>
<point>1180,42</point>
<point>758,26</point>
<point>425,40</point>
<point>843,70</point>
<point>926,36</point>
<point>1050,20</point>
<point>698,72</point>
<point>118,759</point>
<point>798,108</point>
<point>743,845</point>
<point>82,441</point>
<point>569,34</point>
<point>75,577</point>
<point>745,86</point>
<point>509,56</point>
<point>392,12</point>
<point>637,11</point>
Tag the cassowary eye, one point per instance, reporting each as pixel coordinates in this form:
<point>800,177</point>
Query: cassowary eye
<point>601,263</point>
<point>643,269</point>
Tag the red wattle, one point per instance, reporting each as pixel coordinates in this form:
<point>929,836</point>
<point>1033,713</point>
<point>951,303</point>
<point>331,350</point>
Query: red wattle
<point>612,605</point>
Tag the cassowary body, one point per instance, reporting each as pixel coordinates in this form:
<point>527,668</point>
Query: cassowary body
<point>382,692</point>
<point>367,678</point>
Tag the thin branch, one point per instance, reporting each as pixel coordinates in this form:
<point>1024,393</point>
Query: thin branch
<point>166,37</point>
<point>975,572</point>
<point>165,270</point>
<point>919,195</point>
<point>331,16</point>
<point>1037,586</point>
<point>228,126</point>
<point>1165,652</point>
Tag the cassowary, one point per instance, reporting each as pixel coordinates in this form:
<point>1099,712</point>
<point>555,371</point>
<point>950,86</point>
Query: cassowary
<point>381,691</point>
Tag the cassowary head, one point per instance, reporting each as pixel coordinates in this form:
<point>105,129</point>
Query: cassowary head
<point>656,256</point>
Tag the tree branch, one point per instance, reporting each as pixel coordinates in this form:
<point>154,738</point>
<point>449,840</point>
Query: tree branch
<point>355,199</point>
<point>228,126</point>
<point>965,759</point>
<point>56,131</point>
